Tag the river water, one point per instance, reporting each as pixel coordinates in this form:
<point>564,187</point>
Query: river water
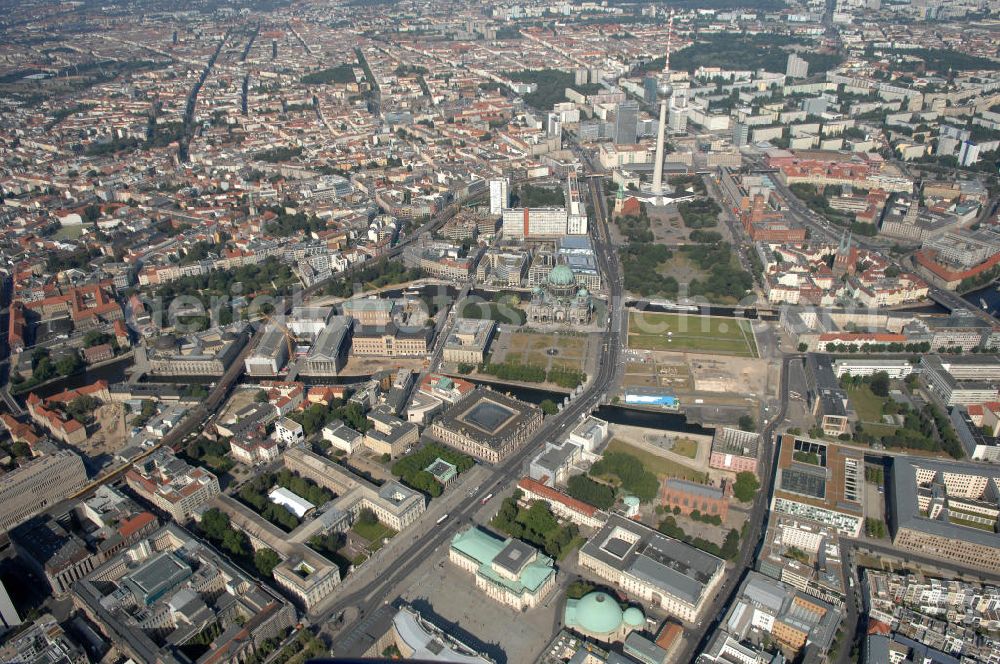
<point>615,414</point>
<point>988,294</point>
<point>666,421</point>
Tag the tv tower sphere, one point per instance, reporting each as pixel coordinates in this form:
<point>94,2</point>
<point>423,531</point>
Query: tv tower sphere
<point>665,89</point>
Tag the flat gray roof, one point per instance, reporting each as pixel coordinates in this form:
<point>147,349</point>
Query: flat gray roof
<point>905,513</point>
<point>329,342</point>
<point>663,562</point>
<point>514,556</point>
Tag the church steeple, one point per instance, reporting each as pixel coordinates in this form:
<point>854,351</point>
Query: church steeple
<point>620,198</point>
<point>844,260</point>
<point>845,243</point>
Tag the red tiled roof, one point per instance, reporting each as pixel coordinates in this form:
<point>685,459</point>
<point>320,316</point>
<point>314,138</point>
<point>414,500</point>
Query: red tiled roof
<point>668,635</point>
<point>553,495</point>
<point>927,257</point>
<point>131,526</point>
<point>878,627</point>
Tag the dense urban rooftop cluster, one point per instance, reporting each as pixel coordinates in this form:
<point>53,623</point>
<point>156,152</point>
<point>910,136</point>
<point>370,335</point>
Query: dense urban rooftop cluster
<point>509,332</point>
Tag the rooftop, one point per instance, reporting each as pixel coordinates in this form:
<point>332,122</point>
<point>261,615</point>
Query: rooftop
<point>672,566</point>
<point>529,568</point>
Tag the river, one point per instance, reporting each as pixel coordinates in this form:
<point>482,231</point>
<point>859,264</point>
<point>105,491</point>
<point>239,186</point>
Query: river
<point>988,294</point>
<point>614,414</point>
<point>113,372</point>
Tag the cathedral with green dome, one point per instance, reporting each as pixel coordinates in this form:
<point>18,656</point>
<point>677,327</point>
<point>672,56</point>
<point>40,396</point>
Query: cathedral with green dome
<point>560,301</point>
<point>599,616</point>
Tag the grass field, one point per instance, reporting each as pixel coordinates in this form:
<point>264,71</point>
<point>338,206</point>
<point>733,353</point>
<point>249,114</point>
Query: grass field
<point>682,332</point>
<point>374,533</point>
<point>658,465</point>
<point>531,347</point>
<point>686,447</point>
<point>69,233</point>
<point>867,405</point>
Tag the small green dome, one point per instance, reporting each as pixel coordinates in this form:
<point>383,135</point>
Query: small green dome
<point>561,275</point>
<point>596,613</point>
<point>633,617</point>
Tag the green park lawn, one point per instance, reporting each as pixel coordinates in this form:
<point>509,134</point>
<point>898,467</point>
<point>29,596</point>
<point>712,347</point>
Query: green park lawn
<point>682,332</point>
<point>374,533</point>
<point>660,466</point>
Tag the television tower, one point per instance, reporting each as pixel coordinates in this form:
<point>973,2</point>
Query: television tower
<point>665,90</point>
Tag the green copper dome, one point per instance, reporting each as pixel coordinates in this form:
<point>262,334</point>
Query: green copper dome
<point>561,276</point>
<point>633,617</point>
<point>595,613</point>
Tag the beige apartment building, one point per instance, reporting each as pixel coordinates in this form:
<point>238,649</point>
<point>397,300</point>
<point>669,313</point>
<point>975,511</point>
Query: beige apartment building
<point>38,484</point>
<point>171,484</point>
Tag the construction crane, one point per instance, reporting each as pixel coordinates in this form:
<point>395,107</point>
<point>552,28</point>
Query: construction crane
<point>289,337</point>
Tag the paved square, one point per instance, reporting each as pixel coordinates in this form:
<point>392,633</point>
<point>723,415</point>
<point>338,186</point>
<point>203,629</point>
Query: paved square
<point>450,594</point>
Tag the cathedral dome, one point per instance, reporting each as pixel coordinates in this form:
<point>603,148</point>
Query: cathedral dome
<point>561,276</point>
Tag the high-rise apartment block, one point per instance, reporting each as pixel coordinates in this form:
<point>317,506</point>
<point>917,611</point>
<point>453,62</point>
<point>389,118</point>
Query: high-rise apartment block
<point>796,67</point>
<point>499,195</point>
<point>38,484</point>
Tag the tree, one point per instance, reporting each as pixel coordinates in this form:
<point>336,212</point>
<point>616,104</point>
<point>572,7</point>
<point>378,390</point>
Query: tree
<point>875,527</point>
<point>880,384</point>
<point>635,479</point>
<point>367,517</point>
<point>731,545</point>
<point>593,493</point>
<point>746,486</point>
<point>538,519</point>
<point>549,407</point>
<point>214,523</point>
<point>69,364</point>
<point>95,338</point>
<point>234,542</point>
<point>410,468</point>
<point>803,347</point>
<point>146,412</point>
<point>265,560</point>
<point>261,396</point>
<point>81,408</point>
<point>747,423</point>
<point>578,589</point>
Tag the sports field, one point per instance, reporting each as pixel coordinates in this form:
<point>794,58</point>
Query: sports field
<point>693,333</point>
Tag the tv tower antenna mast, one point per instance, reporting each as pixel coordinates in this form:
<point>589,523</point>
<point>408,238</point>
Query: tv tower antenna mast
<point>670,36</point>
<point>665,90</point>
